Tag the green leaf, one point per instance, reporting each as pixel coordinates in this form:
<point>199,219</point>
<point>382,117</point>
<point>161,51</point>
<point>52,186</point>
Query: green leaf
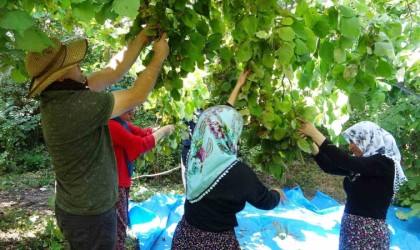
<point>189,18</point>
<point>347,43</point>
<point>362,7</point>
<point>84,11</point>
<point>3,3</point>
<point>217,26</point>
<point>311,17</point>
<point>267,123</point>
<point>326,51</point>
<point>17,76</point>
<point>202,27</point>
<point>225,54</point>
<point>255,110</point>
<point>415,206</point>
<point>350,27</point>
<point>285,53</point>
<point>311,42</point>
<point>105,13</point>
<point>299,29</point>
<point>177,83</point>
<point>357,101</point>
<point>276,170</point>
<point>244,112</point>
<point>175,94</point>
<point>304,80</point>
<point>339,55</point>
<point>366,78</point>
<point>394,30</point>
<point>16,20</point>
<point>264,5</point>
<point>384,69</point>
<point>285,106</point>
<point>167,84</point>
<point>197,40</point>
<point>286,33</point>
<point>381,37</point>
<point>333,17</point>
<point>244,52</point>
<point>225,87</point>
<point>193,47</point>
<point>288,71</point>
<point>268,59</point>
<point>416,196</point>
<point>287,21</point>
<point>250,24</point>
<point>346,11</point>
<point>384,49</point>
<point>371,64</point>
<point>277,159</point>
<point>188,64</point>
<point>301,8</point>
<point>304,146</point>
<point>262,34</point>
<point>128,8</point>
<point>300,47</point>
<point>402,215</point>
<point>179,4</point>
<point>213,42</point>
<point>378,99</point>
<point>350,72</point>
<point>309,113</point>
<point>279,133</point>
<point>322,28</point>
<point>33,40</point>
<point>202,7</point>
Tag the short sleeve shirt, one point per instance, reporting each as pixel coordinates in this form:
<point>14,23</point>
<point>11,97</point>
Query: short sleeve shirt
<point>75,127</point>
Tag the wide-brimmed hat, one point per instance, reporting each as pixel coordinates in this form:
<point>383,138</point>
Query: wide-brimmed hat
<point>53,62</point>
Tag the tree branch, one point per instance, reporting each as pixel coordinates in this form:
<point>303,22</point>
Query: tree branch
<point>405,90</point>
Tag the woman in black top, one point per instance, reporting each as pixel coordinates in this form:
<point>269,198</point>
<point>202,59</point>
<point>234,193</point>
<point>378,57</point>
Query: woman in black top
<point>373,175</point>
<point>218,184</point>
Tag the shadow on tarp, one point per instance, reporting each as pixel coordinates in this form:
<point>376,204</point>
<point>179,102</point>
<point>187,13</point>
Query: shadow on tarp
<point>300,224</point>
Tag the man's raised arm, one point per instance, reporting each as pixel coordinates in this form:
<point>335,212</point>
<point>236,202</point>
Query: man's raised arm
<point>137,94</point>
<point>119,65</point>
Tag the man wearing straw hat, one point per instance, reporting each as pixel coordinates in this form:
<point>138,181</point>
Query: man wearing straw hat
<point>74,118</point>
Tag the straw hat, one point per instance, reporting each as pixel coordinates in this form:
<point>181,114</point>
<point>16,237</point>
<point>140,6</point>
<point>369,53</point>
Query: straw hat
<point>53,62</point>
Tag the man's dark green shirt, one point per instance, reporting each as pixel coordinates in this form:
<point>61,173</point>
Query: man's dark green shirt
<point>74,124</point>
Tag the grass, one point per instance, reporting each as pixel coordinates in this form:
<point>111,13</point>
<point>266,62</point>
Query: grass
<point>37,179</point>
<point>33,226</point>
<point>310,178</point>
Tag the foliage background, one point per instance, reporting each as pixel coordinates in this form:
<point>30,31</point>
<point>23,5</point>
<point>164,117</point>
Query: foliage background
<point>331,62</point>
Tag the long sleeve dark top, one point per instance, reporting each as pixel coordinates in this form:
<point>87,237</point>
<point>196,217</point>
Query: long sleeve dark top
<point>369,181</point>
<point>217,210</point>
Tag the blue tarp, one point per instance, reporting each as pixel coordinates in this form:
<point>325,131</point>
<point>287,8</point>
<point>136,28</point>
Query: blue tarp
<point>301,224</point>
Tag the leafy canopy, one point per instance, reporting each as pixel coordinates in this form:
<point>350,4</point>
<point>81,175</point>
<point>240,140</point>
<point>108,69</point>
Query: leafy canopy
<point>319,61</point>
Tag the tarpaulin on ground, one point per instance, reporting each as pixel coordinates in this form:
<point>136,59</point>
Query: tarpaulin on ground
<point>300,224</point>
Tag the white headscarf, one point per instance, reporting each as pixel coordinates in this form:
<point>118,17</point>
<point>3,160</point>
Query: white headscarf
<point>372,139</point>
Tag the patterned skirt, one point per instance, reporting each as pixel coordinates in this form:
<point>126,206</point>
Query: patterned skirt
<point>358,232</point>
<point>188,237</point>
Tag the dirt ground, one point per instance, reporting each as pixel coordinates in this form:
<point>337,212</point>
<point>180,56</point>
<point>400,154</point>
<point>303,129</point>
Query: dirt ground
<point>13,202</point>
<point>28,199</point>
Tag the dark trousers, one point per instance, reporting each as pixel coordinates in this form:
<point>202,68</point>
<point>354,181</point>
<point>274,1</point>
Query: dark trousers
<point>88,231</point>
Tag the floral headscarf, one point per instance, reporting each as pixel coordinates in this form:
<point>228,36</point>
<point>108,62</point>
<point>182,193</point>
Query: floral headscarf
<point>372,139</point>
<point>213,150</point>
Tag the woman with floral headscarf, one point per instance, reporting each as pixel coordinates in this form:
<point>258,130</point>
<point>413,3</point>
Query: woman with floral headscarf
<point>373,176</point>
<point>218,184</point>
